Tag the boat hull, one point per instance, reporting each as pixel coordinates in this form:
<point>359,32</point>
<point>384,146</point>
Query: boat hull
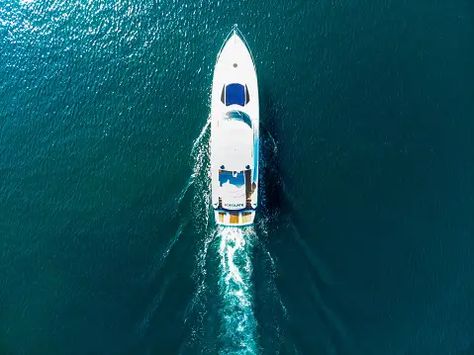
<point>234,143</point>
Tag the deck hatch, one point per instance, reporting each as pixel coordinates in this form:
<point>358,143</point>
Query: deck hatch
<point>235,94</point>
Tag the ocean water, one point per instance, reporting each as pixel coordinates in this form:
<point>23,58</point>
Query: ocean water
<point>364,242</point>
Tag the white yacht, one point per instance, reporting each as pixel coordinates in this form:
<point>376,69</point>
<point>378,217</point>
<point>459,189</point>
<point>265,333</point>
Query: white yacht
<point>234,134</point>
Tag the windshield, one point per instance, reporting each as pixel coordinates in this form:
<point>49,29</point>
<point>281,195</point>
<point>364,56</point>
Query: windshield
<point>239,116</point>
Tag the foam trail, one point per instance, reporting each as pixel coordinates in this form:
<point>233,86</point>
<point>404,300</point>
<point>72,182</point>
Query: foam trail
<point>199,183</point>
<point>232,249</point>
<point>200,178</point>
<point>199,156</point>
<point>238,330</point>
<point>197,186</point>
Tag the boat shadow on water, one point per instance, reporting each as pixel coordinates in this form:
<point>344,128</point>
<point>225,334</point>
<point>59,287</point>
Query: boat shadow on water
<point>284,249</point>
<point>275,204</point>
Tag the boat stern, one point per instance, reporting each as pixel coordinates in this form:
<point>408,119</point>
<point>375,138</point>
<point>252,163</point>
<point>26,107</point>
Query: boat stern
<point>240,218</point>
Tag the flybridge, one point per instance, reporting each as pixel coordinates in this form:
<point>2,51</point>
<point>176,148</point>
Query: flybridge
<point>234,135</point>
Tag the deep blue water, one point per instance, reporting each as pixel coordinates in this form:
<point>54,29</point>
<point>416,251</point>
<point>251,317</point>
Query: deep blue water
<point>365,237</point>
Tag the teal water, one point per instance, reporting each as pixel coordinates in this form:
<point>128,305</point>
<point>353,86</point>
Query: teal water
<point>364,240</point>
